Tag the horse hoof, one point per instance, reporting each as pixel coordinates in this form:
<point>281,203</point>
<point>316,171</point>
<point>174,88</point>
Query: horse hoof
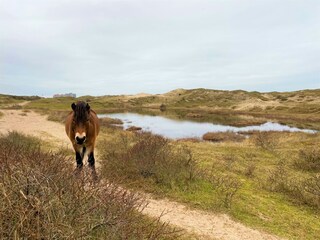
<point>95,177</point>
<point>77,171</point>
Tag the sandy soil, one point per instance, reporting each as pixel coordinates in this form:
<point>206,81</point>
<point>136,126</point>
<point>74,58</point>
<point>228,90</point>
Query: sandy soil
<point>203,225</point>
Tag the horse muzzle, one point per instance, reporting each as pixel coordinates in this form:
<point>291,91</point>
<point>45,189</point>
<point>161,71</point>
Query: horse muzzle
<point>80,140</point>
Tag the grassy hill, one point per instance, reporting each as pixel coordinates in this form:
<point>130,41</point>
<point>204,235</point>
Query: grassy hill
<point>9,100</point>
<point>305,101</point>
<point>299,108</point>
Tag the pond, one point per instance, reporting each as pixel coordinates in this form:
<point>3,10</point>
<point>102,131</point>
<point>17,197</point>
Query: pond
<point>177,129</point>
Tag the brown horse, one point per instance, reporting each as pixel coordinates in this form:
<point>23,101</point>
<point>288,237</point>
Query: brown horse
<point>82,127</point>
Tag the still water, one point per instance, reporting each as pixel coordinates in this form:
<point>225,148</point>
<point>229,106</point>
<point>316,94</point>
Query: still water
<point>185,129</point>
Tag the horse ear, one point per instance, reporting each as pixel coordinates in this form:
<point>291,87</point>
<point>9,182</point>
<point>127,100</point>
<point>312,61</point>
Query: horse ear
<point>88,107</point>
<point>73,106</point>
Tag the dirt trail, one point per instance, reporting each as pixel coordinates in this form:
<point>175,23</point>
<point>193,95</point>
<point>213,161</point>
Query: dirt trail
<point>203,225</point>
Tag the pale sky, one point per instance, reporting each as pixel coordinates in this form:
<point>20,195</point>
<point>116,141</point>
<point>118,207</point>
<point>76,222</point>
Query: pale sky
<point>102,47</point>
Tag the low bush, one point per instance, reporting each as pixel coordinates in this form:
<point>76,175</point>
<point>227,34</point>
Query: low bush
<point>154,163</point>
<point>250,164</point>
<point>303,190</point>
<point>58,116</point>
<point>311,187</point>
<point>144,155</point>
<point>227,186</point>
<point>265,140</point>
<point>133,129</point>
<point>41,198</point>
<point>278,179</point>
<point>163,107</point>
<point>308,159</point>
<point>110,122</point>
<point>230,160</point>
<point>223,136</point>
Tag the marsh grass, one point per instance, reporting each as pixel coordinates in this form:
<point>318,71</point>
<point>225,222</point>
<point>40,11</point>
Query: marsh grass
<point>41,198</point>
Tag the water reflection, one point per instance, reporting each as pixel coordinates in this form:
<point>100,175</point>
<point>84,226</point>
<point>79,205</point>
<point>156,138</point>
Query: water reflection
<point>184,129</point>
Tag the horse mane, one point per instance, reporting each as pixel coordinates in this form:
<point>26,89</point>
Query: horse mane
<point>80,112</point>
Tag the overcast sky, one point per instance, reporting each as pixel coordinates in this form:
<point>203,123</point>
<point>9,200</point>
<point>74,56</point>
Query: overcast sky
<point>101,47</point>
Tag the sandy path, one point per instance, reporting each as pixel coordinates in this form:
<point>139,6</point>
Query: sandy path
<point>34,124</point>
<point>204,225</point>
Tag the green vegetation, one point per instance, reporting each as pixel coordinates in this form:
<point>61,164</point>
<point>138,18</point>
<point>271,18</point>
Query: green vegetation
<point>41,198</point>
<point>264,181</point>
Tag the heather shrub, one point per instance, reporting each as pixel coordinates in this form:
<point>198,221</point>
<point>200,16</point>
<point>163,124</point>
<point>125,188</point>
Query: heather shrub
<point>308,159</point>
<point>41,198</point>
<point>144,155</point>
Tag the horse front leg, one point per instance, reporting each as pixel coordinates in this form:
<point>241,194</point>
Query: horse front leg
<point>79,157</point>
<point>79,160</point>
<point>91,161</point>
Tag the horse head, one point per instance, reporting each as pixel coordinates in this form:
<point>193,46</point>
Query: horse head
<point>80,123</point>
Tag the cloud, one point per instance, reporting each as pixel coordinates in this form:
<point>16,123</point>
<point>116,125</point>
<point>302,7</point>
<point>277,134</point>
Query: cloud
<point>111,47</point>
